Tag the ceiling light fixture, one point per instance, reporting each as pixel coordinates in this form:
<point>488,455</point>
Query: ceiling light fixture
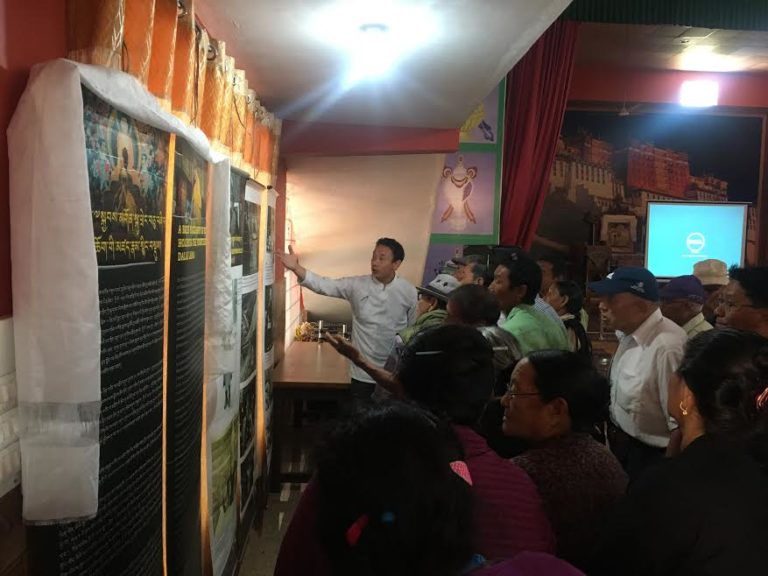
<point>374,54</point>
<point>707,59</point>
<point>375,35</point>
<point>699,93</point>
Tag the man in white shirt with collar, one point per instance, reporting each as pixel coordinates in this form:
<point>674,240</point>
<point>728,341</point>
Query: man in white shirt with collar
<point>649,352</point>
<point>382,305</point>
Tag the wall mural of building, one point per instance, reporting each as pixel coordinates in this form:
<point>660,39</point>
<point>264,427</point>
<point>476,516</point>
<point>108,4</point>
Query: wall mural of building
<point>608,164</point>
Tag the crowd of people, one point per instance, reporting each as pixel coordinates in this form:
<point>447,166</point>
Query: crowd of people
<point>487,443</point>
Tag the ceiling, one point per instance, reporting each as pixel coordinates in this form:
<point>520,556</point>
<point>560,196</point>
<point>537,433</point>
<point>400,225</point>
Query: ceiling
<point>296,73</point>
<point>672,48</point>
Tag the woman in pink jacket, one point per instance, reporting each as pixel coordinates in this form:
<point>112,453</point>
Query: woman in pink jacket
<point>395,498</point>
<point>448,370</point>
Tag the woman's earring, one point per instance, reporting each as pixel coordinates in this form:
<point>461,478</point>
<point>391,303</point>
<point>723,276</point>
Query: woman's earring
<point>683,409</point>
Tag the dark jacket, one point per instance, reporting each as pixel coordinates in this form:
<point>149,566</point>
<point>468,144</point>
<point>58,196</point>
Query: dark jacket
<point>703,513</point>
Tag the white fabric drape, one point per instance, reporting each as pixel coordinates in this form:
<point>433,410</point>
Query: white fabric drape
<point>55,279</point>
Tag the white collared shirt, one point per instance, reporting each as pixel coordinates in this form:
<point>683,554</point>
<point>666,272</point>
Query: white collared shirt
<point>697,325</point>
<point>379,312</point>
<point>642,366</point>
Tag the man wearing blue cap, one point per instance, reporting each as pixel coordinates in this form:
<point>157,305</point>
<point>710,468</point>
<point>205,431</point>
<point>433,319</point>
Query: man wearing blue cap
<point>649,352</point>
<point>682,301</point>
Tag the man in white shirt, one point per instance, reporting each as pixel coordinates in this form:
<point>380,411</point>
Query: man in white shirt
<point>649,352</point>
<point>382,305</point>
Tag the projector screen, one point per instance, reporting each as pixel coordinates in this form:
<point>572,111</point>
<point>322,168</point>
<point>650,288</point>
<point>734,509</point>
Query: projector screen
<point>679,234</point>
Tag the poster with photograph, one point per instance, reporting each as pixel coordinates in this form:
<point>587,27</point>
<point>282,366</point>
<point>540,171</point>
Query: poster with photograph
<point>249,321</point>
<point>247,439</point>
<point>249,318</point>
<point>268,412</point>
<point>269,322</point>
<point>236,217</point>
<point>127,165</point>
<point>186,330</point>
<point>250,214</point>
<point>247,481</point>
<point>223,488</point>
<point>266,394</point>
<point>269,252</point>
<point>247,420</point>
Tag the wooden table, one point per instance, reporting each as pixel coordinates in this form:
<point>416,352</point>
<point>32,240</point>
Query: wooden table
<point>309,371</point>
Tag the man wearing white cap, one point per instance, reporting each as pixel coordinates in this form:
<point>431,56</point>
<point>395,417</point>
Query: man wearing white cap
<point>713,275</point>
<point>431,309</point>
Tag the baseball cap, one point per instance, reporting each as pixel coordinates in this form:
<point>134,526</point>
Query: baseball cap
<point>441,287</point>
<point>630,279</point>
<point>711,271</point>
<point>684,288</point>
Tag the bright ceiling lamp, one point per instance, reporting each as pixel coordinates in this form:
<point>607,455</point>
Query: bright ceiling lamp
<point>374,34</point>
<point>699,93</point>
<point>706,59</point>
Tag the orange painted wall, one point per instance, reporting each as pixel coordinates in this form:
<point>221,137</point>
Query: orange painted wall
<point>31,31</point>
<point>604,84</point>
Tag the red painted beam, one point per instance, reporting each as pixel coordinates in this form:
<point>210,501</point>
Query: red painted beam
<point>324,139</point>
<point>608,84</point>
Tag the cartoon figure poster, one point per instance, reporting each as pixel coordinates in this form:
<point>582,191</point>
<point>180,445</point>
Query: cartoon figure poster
<point>466,195</point>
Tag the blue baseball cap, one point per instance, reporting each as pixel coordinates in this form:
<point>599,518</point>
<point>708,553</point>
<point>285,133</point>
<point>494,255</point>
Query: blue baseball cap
<point>630,279</point>
<point>684,288</point>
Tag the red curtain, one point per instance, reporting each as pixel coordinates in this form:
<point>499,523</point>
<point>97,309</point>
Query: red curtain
<point>537,93</point>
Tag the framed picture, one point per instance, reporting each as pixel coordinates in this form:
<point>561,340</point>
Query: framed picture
<point>619,231</point>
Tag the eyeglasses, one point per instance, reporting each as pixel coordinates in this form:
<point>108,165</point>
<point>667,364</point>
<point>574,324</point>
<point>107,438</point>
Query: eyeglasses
<point>727,305</point>
<point>512,393</point>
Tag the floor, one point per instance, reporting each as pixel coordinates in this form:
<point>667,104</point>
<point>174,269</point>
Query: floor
<point>298,448</point>
<point>261,550</point>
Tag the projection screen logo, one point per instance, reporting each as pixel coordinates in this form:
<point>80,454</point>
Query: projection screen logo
<point>695,242</point>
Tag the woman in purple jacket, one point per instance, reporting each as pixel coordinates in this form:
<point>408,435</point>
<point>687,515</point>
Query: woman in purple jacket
<point>395,498</point>
<point>449,371</point>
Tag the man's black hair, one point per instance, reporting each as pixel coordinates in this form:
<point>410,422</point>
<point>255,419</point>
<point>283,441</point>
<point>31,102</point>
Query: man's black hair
<point>575,296</point>
<point>754,282</point>
<point>475,305</point>
<point>559,269</point>
<point>398,252</point>
<point>523,271</point>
